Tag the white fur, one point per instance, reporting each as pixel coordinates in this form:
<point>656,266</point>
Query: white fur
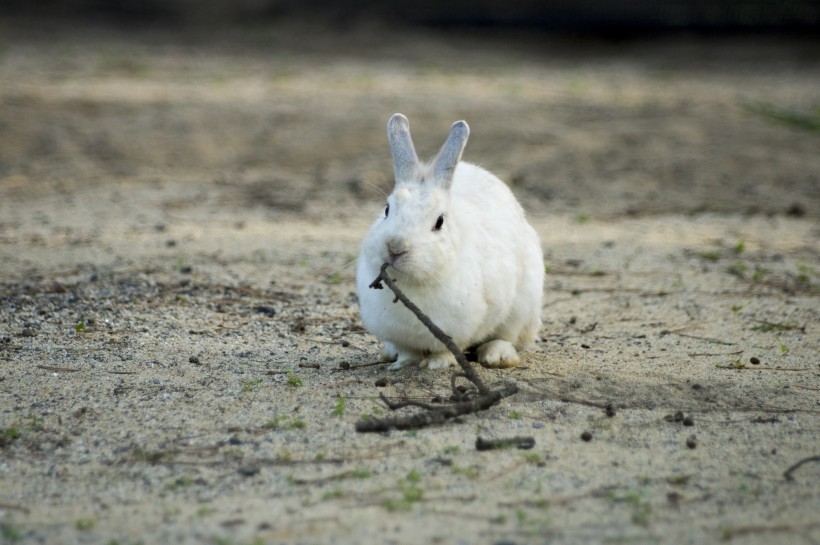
<point>479,278</point>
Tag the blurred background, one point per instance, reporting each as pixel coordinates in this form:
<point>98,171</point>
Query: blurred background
<point>591,108</point>
<point>563,15</point>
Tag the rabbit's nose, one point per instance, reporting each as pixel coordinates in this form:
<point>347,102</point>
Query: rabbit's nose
<point>395,249</point>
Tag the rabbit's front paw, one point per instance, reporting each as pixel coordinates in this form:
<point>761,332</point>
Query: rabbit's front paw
<point>442,360</point>
<point>498,353</point>
<point>388,352</point>
<point>403,360</point>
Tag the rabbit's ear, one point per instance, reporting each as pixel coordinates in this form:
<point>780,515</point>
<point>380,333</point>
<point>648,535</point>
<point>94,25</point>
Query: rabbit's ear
<point>450,153</point>
<point>401,145</point>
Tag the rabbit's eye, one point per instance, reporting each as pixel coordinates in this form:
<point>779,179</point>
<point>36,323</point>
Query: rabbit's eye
<point>439,223</point>
<point>387,210</point>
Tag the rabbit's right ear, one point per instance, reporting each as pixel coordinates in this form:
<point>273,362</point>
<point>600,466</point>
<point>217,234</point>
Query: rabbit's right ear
<point>405,159</point>
<point>450,153</point>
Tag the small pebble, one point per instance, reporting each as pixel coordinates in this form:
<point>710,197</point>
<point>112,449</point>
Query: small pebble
<point>586,436</point>
<point>610,410</point>
<point>692,441</point>
<point>754,361</point>
<point>674,498</point>
<point>796,210</point>
<point>688,421</point>
<point>248,471</point>
<point>194,360</point>
<point>266,310</point>
<point>382,382</point>
<point>234,441</point>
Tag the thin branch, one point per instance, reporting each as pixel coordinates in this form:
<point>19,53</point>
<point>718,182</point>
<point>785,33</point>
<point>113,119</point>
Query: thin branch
<point>509,442</point>
<point>788,473</point>
<point>445,339</point>
<point>439,414</point>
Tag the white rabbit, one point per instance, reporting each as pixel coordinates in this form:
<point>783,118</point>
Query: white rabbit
<point>459,247</point>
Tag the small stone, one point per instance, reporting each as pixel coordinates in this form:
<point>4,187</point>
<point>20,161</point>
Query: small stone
<point>692,441</point>
<point>234,441</point>
<point>674,498</point>
<point>586,436</point>
<point>194,360</point>
<point>248,471</point>
<point>754,361</point>
<point>610,410</point>
<point>382,382</point>
<point>796,210</point>
<point>266,310</point>
<point>345,344</point>
<point>688,421</point>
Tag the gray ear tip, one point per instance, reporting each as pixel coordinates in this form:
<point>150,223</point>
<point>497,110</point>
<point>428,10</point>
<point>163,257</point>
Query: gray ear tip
<point>462,127</point>
<point>398,120</point>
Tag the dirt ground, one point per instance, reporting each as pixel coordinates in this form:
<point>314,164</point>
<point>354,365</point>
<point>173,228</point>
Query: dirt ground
<point>181,357</point>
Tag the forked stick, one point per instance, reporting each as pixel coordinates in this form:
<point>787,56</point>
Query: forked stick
<point>431,415</point>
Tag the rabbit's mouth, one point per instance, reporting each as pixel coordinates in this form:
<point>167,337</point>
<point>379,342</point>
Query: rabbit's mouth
<point>396,251</point>
<point>395,259</point>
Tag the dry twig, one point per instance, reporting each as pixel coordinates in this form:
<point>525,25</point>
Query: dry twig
<point>788,474</point>
<point>434,414</point>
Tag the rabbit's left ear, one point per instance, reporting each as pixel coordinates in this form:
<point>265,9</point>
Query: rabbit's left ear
<point>450,153</point>
<point>405,160</point>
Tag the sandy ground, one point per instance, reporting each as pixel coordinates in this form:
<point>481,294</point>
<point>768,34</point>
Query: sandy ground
<point>181,358</point>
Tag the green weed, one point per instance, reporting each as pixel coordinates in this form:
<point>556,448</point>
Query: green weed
<point>334,494</point>
<point>84,524</point>
<point>339,409</point>
<point>470,472</point>
<point>767,327</point>
<point>792,118</point>
<point>205,511</point>
<point>533,458</point>
<point>640,506</point>
<point>10,533</point>
<point>8,435</point>
<point>293,380</point>
<point>738,269</point>
<point>250,385</point>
